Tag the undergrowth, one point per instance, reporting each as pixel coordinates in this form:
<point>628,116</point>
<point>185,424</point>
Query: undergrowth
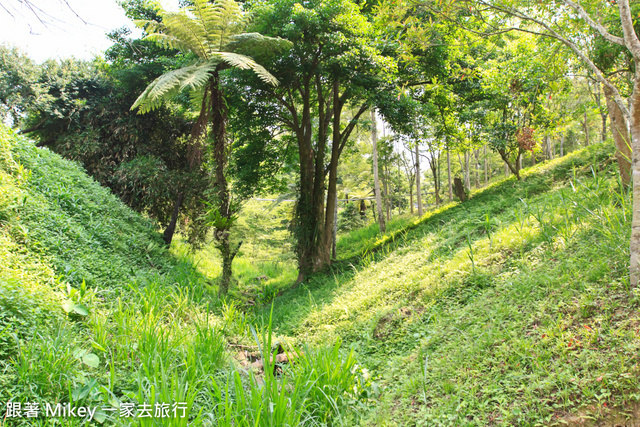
<point>94,311</point>
<point>512,308</point>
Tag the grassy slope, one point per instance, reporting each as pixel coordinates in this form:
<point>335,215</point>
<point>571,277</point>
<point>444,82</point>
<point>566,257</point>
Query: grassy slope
<point>59,228</point>
<point>512,308</point>
<point>509,309</point>
<point>94,311</point>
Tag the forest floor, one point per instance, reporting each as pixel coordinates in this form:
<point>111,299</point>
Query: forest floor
<point>510,309</point>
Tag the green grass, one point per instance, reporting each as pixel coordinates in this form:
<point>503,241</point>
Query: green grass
<point>265,264</point>
<point>510,309</point>
<point>493,311</point>
<point>95,311</point>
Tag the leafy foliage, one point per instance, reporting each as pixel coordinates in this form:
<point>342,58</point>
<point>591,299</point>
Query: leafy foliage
<point>83,115</point>
<point>207,33</point>
<point>18,88</point>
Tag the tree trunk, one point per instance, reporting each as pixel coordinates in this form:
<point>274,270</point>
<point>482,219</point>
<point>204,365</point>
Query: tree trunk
<point>436,176</point>
<point>434,163</point>
<point>411,196</point>
<point>562,144</point>
<point>385,188</point>
<point>634,245</point>
<point>399,187</point>
<point>418,190</point>
<point>449,175</point>
<point>171,228</point>
<point>228,256</point>
<point>508,166</point>
<point>621,138</point>
<point>467,173</point>
<point>461,192</point>
<point>218,131</point>
<point>334,240</point>
<point>324,253</point>
<point>585,126</point>
<point>547,147</point>
<point>486,167</point>
<point>309,208</point>
<point>633,44</point>
<point>476,153</point>
<point>376,180</point>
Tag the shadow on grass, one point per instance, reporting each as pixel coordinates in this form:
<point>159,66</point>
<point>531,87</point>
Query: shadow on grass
<point>449,231</point>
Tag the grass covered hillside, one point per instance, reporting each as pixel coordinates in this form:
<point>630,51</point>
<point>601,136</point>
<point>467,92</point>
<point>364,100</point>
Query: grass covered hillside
<point>512,308</point>
<point>95,312</point>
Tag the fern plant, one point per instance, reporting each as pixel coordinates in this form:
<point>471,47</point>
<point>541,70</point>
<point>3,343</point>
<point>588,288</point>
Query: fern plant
<point>213,34</point>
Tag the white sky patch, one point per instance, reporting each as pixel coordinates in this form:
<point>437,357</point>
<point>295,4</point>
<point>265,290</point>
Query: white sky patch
<point>64,28</point>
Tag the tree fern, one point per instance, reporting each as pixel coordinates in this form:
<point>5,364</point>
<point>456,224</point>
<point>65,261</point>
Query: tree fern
<point>171,83</point>
<point>213,33</point>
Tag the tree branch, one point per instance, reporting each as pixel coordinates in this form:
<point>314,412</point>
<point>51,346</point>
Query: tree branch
<point>630,37</point>
<point>33,128</point>
<point>593,24</point>
<point>553,34</point>
<point>344,136</point>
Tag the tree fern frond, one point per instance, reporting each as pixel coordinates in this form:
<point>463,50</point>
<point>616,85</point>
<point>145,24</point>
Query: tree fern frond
<point>225,20</point>
<point>169,42</point>
<point>256,45</point>
<point>245,63</point>
<point>197,75</point>
<point>195,97</point>
<point>186,31</point>
<point>171,83</point>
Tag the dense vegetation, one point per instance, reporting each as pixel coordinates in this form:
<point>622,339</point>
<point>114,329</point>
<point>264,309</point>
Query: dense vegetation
<point>326,213</point>
<point>95,311</point>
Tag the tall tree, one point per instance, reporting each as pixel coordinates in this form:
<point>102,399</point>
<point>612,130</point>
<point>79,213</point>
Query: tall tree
<point>19,87</point>
<point>213,34</point>
<point>334,64</point>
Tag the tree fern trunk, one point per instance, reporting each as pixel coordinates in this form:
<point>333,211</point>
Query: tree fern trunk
<point>223,200</point>
<point>171,228</point>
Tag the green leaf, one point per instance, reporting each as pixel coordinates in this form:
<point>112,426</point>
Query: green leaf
<point>78,353</point>
<point>80,392</point>
<point>81,309</point>
<point>68,306</point>
<point>100,416</point>
<point>91,360</point>
<point>98,346</point>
